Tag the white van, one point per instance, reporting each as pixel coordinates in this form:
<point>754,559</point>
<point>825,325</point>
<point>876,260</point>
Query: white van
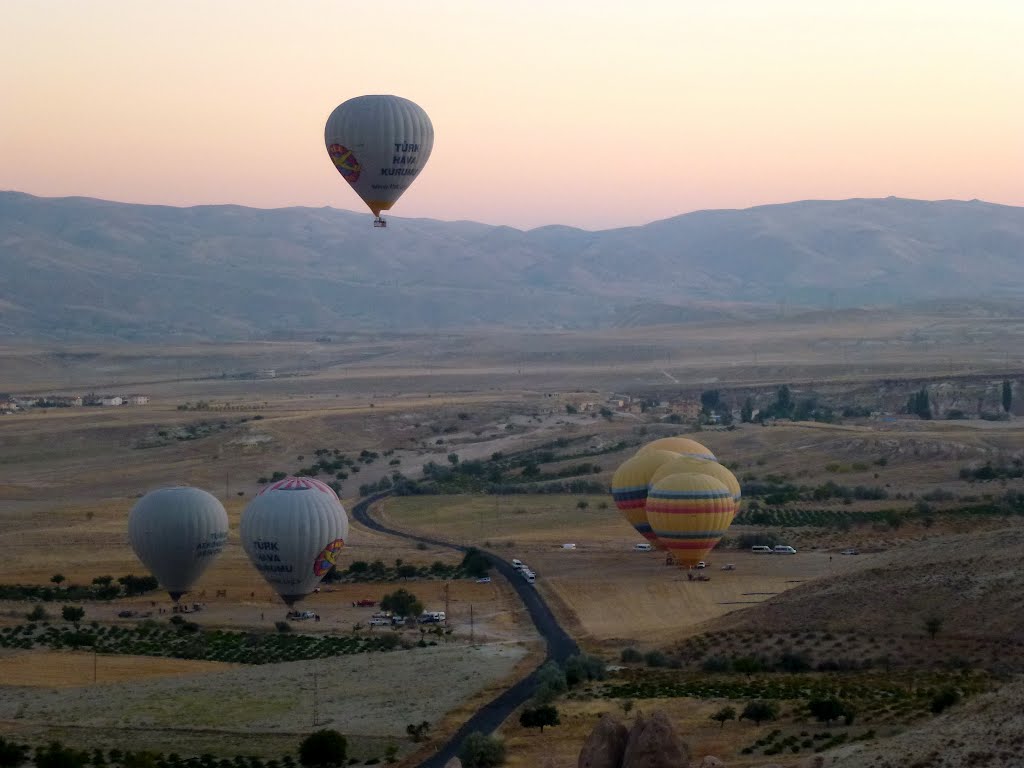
<point>759,548</point>
<point>784,549</point>
<point>517,564</point>
<point>642,547</point>
<point>568,546</point>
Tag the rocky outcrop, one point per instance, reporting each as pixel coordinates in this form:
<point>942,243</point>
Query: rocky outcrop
<point>606,744</point>
<point>710,761</point>
<point>654,743</point>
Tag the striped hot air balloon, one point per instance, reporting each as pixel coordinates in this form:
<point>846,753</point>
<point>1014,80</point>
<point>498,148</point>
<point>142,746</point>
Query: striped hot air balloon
<point>689,513</point>
<point>629,488</point>
<point>703,467</point>
<point>684,446</point>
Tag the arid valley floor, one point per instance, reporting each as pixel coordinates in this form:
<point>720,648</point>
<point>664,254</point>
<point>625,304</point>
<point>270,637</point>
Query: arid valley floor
<point>937,541</point>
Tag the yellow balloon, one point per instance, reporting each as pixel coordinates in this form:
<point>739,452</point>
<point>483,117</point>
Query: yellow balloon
<point>684,446</point>
<point>629,488</point>
<point>689,513</point>
<point>700,466</point>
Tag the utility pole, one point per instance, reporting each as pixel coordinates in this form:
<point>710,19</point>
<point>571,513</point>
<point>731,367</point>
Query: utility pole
<point>447,607</point>
<point>95,663</point>
<point>471,626</point>
<point>316,711</point>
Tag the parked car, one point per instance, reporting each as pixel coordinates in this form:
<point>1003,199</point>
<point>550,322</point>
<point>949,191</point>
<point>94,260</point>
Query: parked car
<point>484,580</point>
<point>784,549</point>
<point>850,551</point>
<point>366,603</point>
<point>379,621</point>
<point>758,548</point>
<point>642,547</point>
<point>702,564</point>
<point>568,546</point>
<point>301,615</point>
<point>126,614</point>
<point>517,564</point>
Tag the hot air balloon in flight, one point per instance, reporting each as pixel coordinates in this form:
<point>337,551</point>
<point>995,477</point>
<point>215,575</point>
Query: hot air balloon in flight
<point>629,488</point>
<point>379,144</point>
<point>293,532</point>
<point>689,513</point>
<point>684,446</point>
<point>700,466</point>
<point>177,533</point>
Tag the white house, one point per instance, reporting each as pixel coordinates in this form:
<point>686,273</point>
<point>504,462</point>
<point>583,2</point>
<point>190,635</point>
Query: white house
<point>116,400</point>
<point>137,399</point>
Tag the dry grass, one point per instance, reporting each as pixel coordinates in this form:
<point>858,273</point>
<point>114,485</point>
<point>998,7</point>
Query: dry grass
<point>70,669</point>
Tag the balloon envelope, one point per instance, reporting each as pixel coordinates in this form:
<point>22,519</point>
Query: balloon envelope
<point>177,533</point>
<point>684,446</point>
<point>629,488</point>
<point>379,144</point>
<point>293,532</point>
<point>689,513</point>
<point>700,466</point>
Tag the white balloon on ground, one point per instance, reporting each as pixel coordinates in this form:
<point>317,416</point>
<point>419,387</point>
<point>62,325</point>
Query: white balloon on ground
<point>177,533</point>
<point>293,532</point>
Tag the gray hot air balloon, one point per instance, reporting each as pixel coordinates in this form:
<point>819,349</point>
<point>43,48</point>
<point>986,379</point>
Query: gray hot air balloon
<point>177,533</point>
<point>293,532</point>
<point>379,144</point>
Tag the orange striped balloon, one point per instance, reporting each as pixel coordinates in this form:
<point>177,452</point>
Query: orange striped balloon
<point>689,513</point>
<point>629,488</point>
<point>684,446</point>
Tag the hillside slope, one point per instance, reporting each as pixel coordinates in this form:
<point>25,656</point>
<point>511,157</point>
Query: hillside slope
<point>77,267</point>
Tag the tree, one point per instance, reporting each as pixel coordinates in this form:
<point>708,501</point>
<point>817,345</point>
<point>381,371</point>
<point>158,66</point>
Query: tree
<point>829,709</point>
<point>323,749</point>
<point>417,732</point>
<point>725,713</point>
<point>551,683</point>
<point>709,400</point>
<point>748,665</point>
<point>1007,396</point>
<point>933,625</point>
<point>475,563</point>
<point>747,411</point>
<point>783,402</point>
<point>453,459</point>
<point>56,755</point>
<point>538,717</point>
<point>12,755</point>
<point>401,602</point>
<point>103,581</point>
<point>38,613</point>
<point>57,579</point>
<point>759,711</point>
<point>480,751</point>
<point>571,409</point>
<point>72,614</point>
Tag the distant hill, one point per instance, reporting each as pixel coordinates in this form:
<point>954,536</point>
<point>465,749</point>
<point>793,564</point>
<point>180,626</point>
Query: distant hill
<point>84,268</point>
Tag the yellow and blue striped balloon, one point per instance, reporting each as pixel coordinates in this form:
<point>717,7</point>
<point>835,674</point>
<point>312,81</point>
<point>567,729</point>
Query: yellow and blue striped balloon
<point>629,488</point>
<point>701,467</point>
<point>689,513</point>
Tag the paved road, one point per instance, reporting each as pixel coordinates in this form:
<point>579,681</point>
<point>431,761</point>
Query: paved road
<point>560,645</point>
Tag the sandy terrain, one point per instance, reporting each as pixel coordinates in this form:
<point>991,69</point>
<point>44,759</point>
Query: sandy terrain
<point>68,669</point>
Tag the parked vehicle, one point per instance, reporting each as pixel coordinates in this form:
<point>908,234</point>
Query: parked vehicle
<point>642,547</point>
<point>301,615</point>
<point>379,621</point>
<point>850,551</point>
<point>757,548</point>
<point>530,578</point>
<point>568,546</point>
<point>517,564</point>
<point>432,617</point>
<point>702,564</point>
<point>784,549</point>
<point>484,580</point>
<point>365,603</point>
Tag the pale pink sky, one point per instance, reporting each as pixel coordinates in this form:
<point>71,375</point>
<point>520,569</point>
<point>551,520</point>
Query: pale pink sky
<point>588,113</point>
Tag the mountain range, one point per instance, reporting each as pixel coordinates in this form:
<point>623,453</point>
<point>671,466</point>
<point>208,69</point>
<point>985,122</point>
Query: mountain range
<point>73,268</point>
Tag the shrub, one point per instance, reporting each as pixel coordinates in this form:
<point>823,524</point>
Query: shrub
<point>945,699</point>
<point>323,749</point>
<point>630,655</point>
<point>656,659</point>
<point>481,751</point>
